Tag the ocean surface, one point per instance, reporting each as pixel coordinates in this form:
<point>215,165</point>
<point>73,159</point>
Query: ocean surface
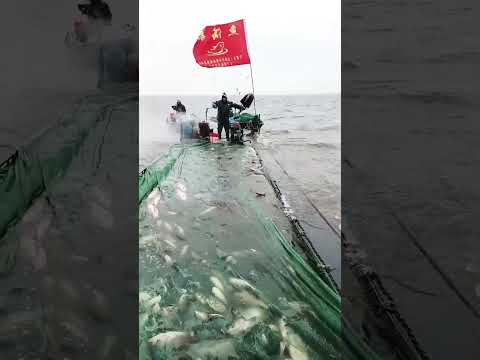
<point>302,133</point>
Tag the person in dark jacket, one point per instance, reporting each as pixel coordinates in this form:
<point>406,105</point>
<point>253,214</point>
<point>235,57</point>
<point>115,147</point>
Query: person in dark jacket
<point>96,10</point>
<point>224,111</point>
<point>179,107</point>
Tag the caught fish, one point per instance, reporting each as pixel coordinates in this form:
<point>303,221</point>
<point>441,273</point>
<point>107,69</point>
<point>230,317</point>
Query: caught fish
<point>253,313</point>
<point>155,300</point>
<point>168,260</point>
<point>230,260</point>
<point>216,305</point>
<point>173,339</point>
<point>240,284</point>
<point>153,195</point>
<point>301,307</point>
<point>143,297</point>
<point>214,349</point>
<point>167,226</point>
<point>142,319</point>
<point>170,243</point>
<point>184,302</point>
<point>152,210</point>
<point>220,253</point>
<point>206,211</point>
<point>168,311</point>
<point>215,316</point>
<point>147,239</point>
<point>184,250</point>
<point>201,315</point>
<point>297,354</point>
<point>241,326</point>
<point>217,283</point>
<point>294,343</point>
<point>201,299</point>
<point>180,230</point>
<point>219,294</point>
<point>247,299</point>
<point>282,325</point>
<point>244,253</point>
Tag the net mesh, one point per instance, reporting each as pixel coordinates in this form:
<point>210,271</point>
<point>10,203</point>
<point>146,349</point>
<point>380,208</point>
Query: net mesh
<point>38,165</point>
<point>218,280</point>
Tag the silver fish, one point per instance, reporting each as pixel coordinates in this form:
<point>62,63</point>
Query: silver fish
<point>241,326</point>
<point>143,297</point>
<point>297,354</point>
<point>184,302</point>
<point>220,253</point>
<point>174,339</point>
<point>217,283</point>
<point>214,349</point>
<point>295,345</point>
<point>215,316</point>
<point>155,300</point>
<point>201,315</point>
<point>240,284</point>
<point>168,260</point>
<point>253,312</point>
<point>216,305</point>
<point>168,311</point>
<point>170,243</point>
<point>167,226</point>
<point>201,299</point>
<point>246,299</point>
<point>219,294</point>
<point>180,230</point>
<point>230,260</point>
<point>184,250</point>
<point>206,211</point>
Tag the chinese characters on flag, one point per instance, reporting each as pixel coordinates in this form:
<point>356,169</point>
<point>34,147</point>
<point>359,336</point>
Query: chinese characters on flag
<point>222,45</point>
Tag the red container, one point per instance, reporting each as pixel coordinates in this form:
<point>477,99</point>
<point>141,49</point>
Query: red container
<point>213,137</point>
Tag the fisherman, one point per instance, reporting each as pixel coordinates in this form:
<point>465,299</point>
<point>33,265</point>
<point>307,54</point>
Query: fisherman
<point>179,107</point>
<point>224,111</point>
<point>96,10</point>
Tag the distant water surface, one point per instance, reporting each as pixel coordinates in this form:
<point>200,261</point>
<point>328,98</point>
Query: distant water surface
<point>302,132</point>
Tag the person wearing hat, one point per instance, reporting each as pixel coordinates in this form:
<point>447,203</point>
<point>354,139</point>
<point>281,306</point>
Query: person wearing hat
<point>179,107</point>
<point>224,110</point>
<point>96,10</point>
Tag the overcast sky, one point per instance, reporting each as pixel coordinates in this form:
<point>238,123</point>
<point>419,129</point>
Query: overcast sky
<point>294,46</point>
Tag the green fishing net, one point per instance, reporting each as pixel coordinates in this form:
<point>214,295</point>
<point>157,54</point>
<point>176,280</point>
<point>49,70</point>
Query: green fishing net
<point>36,166</point>
<point>218,279</point>
<point>249,118</point>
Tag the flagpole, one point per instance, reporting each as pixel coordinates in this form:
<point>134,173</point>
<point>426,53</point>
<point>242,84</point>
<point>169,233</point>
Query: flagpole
<point>250,63</point>
<point>253,89</point>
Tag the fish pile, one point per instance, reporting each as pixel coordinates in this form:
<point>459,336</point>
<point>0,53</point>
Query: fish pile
<point>231,321</point>
<point>200,301</point>
<point>205,309</point>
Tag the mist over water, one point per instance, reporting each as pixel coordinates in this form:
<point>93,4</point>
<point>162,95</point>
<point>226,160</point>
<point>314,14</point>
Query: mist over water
<point>35,56</point>
<point>302,132</point>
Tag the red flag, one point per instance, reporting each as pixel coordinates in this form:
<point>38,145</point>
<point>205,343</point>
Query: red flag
<point>222,45</point>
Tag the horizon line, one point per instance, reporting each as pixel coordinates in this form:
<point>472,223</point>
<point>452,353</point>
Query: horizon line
<point>261,94</point>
